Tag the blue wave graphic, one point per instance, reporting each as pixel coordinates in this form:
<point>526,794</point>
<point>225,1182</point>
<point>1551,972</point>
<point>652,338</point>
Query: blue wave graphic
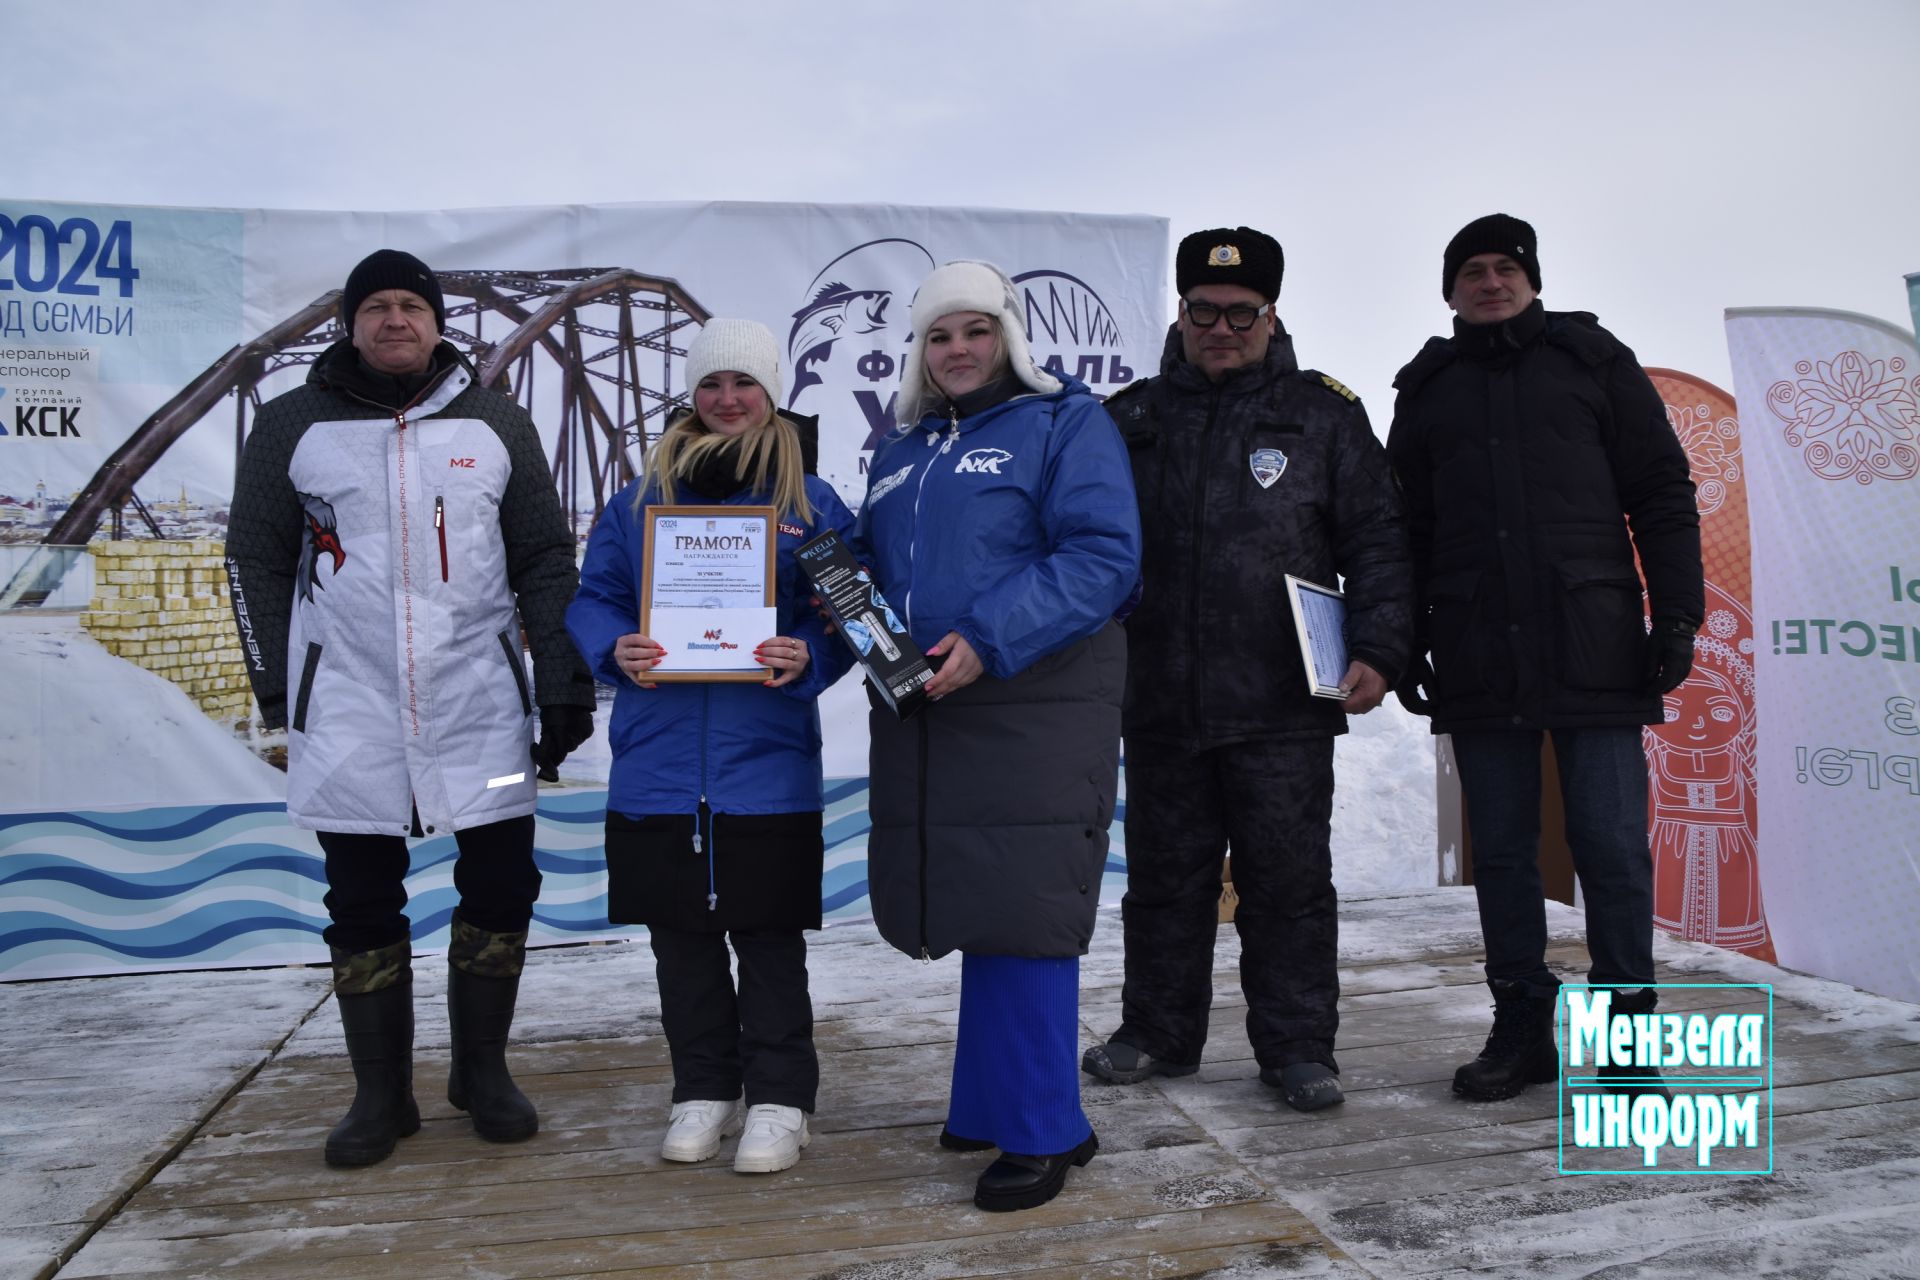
<point>174,945</point>
<point>145,825</point>
<point>185,886</point>
<point>135,886</point>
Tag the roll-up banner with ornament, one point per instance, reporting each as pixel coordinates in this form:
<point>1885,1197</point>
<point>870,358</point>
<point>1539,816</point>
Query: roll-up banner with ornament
<point>1704,817</point>
<point>1830,443</point>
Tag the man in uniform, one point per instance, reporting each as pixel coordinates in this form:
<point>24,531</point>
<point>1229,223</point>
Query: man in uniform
<point>393,529</point>
<point>1248,468</point>
<point>1521,442</point>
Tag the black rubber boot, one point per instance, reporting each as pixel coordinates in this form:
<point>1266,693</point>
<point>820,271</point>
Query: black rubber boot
<point>1519,1052</point>
<point>483,984</point>
<point>379,1031</point>
<point>1631,1081</point>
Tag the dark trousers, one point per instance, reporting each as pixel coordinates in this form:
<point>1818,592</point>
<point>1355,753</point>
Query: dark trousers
<point>760,1038</point>
<point>1603,784</point>
<point>1272,802</point>
<point>367,896</point>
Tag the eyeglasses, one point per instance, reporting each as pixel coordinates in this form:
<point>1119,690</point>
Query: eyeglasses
<point>1240,317</point>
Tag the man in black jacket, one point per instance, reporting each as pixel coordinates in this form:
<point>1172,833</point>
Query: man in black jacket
<point>1520,443</point>
<point>1248,468</point>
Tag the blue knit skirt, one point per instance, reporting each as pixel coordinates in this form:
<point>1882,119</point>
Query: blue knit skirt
<point>1016,1077</point>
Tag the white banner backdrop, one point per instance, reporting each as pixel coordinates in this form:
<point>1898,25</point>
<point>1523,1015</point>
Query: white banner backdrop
<point>159,331</point>
<point>107,312</point>
<point>1830,421</point>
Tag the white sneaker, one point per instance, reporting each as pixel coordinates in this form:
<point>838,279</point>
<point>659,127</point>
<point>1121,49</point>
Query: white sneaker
<point>695,1129</point>
<point>773,1139</point>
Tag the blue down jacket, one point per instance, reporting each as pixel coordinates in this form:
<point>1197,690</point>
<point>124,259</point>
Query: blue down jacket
<point>748,749</point>
<point>1016,527</point>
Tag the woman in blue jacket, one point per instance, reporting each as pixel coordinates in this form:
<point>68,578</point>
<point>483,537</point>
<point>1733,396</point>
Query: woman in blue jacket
<point>1001,523</point>
<point>713,807</point>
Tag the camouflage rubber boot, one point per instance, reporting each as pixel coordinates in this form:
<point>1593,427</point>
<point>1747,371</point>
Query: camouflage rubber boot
<point>374,990</point>
<point>483,982</point>
<point>1519,1051</point>
<point>1632,1081</point>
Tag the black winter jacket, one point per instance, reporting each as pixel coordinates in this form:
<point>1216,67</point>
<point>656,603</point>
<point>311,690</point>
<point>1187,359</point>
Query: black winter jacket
<point>1519,447</point>
<point>1215,658</point>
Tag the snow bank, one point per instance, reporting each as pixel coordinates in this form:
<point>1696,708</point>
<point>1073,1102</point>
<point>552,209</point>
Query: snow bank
<point>82,729</point>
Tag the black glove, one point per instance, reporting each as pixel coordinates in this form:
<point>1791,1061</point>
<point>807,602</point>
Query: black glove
<point>1419,676</point>
<point>1669,655</point>
<point>561,730</point>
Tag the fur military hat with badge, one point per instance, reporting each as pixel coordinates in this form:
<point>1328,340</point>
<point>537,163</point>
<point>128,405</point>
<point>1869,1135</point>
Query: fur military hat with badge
<point>1238,255</point>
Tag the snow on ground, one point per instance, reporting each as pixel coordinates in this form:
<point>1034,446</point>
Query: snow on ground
<point>104,1076</point>
<point>82,729</point>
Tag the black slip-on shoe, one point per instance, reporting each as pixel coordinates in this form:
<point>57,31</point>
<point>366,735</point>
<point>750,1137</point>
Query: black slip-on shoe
<point>1015,1182</point>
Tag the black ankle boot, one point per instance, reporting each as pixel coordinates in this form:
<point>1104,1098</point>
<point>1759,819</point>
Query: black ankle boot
<point>1519,1052</point>
<point>480,1015</point>
<point>1631,1081</point>
<point>379,1032</point>
<point>1026,1182</point>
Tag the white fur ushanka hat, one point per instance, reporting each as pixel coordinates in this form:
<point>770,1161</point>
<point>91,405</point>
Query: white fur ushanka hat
<point>739,346</point>
<point>966,286</point>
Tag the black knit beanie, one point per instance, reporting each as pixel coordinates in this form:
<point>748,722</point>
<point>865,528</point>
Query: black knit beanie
<point>1239,256</point>
<point>1495,233</point>
<point>391,269</point>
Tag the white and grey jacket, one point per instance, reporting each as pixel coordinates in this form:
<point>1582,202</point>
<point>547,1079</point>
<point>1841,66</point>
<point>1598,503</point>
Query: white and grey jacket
<point>388,550</point>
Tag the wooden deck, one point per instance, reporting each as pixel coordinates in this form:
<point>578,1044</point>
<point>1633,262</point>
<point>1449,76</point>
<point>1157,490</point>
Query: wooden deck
<point>1204,1175</point>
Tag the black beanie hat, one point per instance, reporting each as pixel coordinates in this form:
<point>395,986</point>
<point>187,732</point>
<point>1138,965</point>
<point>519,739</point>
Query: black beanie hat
<point>390,269</point>
<point>1241,256</point>
<point>1495,233</point>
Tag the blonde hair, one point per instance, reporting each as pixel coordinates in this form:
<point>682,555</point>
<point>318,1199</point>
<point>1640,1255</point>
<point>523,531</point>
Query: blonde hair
<point>931,392</point>
<point>769,447</point>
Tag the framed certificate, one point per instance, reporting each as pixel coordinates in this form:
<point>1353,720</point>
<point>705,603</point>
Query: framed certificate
<point>1320,618</point>
<point>706,590</point>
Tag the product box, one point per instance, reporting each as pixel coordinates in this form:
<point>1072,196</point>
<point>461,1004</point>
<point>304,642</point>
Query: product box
<point>895,666</point>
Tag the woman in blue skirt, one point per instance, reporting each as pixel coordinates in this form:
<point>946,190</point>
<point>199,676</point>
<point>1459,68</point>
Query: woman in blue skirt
<point>1000,521</point>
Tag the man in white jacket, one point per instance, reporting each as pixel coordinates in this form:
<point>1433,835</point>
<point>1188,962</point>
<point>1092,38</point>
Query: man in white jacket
<point>393,528</point>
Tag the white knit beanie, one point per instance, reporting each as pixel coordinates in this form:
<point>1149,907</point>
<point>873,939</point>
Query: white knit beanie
<point>738,346</point>
<point>966,286</point>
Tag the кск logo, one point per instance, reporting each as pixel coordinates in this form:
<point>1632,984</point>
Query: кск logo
<point>1665,1093</point>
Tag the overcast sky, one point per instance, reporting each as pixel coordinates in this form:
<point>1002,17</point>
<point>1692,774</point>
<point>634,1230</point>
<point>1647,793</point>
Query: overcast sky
<point>1677,158</point>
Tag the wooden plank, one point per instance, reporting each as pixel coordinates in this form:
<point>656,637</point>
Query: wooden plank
<point>696,1215</point>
